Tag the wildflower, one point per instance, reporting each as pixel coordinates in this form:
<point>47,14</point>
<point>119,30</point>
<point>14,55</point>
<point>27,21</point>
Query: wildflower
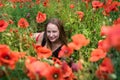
<point>72,6</point>
<point>117,21</point>
<point>56,73</point>
<point>22,23</point>
<point>104,45</point>
<point>41,17</point>
<point>8,58</point>
<point>66,51</point>
<point>78,41</point>
<point>37,1</point>
<point>105,69</point>
<point>43,52</point>
<point>97,54</point>
<point>80,14</point>
<point>11,21</point>
<point>3,25</point>
<point>42,70</point>
<point>66,70</point>
<point>45,3</point>
<point>97,4</point>
<point>1,4</point>
<point>113,36</point>
<point>105,30</point>
<point>56,61</point>
<point>110,6</point>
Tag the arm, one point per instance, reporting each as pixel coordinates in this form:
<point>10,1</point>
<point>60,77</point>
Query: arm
<point>38,37</point>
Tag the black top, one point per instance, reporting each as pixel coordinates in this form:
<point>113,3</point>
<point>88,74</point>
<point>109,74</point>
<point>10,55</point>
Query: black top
<point>55,53</point>
<point>43,40</point>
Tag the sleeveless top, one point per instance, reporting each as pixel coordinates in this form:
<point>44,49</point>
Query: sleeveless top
<point>55,53</point>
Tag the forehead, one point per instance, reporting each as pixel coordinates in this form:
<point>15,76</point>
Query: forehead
<point>51,26</point>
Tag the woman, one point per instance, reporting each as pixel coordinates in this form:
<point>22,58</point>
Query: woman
<point>53,37</point>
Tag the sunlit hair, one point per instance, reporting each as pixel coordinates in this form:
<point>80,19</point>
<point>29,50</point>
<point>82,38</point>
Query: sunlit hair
<point>59,24</point>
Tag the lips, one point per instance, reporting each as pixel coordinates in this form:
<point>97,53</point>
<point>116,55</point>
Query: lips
<point>51,38</point>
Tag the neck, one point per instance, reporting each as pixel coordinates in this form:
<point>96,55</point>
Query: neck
<point>55,45</point>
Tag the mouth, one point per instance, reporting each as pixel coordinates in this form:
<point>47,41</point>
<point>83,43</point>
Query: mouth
<point>51,39</point>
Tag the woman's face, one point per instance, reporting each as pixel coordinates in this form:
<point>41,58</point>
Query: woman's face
<point>52,32</point>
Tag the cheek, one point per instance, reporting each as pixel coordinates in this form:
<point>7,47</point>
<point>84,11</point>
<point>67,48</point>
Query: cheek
<point>57,34</point>
<point>47,34</point>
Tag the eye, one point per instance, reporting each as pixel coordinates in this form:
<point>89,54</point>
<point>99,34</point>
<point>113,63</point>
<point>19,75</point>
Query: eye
<point>54,31</point>
<point>48,31</point>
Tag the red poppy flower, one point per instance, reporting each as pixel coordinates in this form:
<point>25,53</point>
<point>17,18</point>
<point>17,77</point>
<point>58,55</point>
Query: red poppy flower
<point>43,52</point>
<point>1,4</point>
<point>107,65</point>
<point>3,25</point>
<point>42,70</point>
<point>105,68</point>
<point>11,21</point>
<point>104,45</point>
<point>65,51</point>
<point>105,30</point>
<point>37,1</point>
<point>41,17</point>
<point>114,36</point>
<point>21,54</point>
<point>56,73</point>
<point>29,60</point>
<point>79,40</point>
<point>97,54</point>
<point>110,6</point>
<point>23,23</point>
<point>117,21</point>
<point>56,61</point>
<point>80,65</point>
<point>45,3</point>
<point>97,4</point>
<point>66,70</point>
<point>80,14</point>
<point>72,6</point>
<point>7,57</point>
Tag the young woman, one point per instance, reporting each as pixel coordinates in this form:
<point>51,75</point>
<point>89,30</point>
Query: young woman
<point>53,37</point>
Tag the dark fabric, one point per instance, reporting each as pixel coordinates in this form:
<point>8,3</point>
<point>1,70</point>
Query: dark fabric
<point>55,53</point>
<point>43,41</point>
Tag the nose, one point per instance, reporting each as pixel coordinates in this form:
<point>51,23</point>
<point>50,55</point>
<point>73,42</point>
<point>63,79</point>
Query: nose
<point>51,34</point>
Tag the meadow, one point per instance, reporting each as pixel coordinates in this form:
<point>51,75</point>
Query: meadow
<point>92,25</point>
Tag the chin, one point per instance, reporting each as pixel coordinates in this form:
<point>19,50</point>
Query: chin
<point>52,41</point>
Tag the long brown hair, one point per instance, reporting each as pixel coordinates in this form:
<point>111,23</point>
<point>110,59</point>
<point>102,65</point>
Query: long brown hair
<point>59,24</point>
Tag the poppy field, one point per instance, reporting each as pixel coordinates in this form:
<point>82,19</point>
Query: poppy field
<point>93,32</point>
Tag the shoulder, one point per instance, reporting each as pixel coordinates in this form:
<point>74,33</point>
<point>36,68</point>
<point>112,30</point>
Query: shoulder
<point>38,35</point>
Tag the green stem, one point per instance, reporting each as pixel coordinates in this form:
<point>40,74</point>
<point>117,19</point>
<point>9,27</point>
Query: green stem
<point>20,44</point>
<point>6,73</point>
